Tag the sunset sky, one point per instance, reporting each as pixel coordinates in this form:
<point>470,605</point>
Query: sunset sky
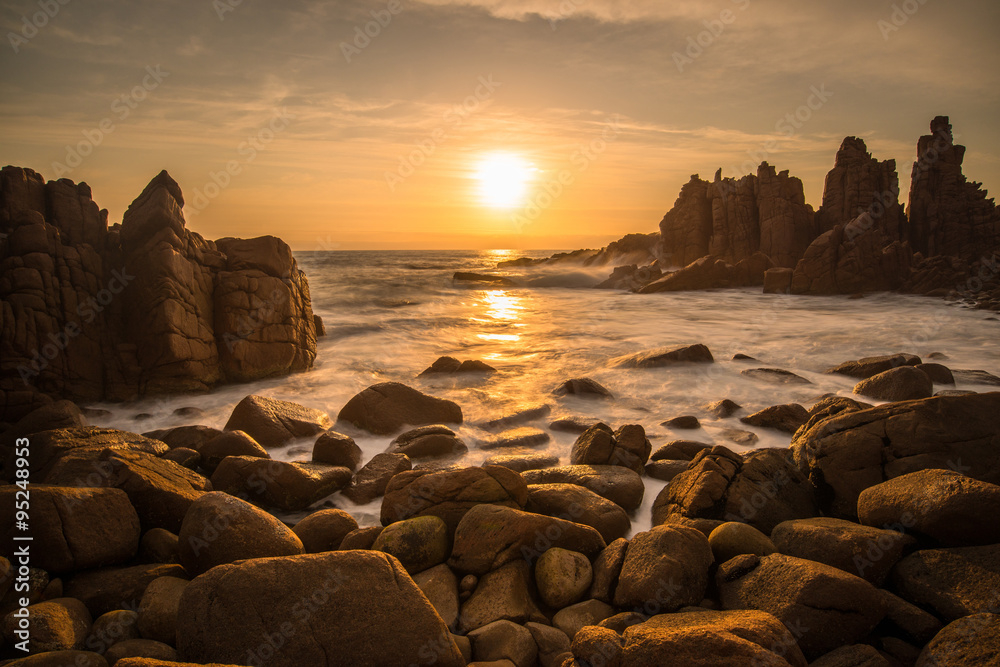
<point>442,129</point>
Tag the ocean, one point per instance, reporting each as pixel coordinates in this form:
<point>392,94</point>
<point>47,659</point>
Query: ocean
<point>390,314</point>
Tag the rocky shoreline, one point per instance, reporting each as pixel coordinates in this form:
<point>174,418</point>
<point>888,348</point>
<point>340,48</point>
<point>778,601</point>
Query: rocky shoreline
<point>870,540</point>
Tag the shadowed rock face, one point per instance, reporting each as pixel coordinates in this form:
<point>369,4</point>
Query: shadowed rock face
<point>89,312</point>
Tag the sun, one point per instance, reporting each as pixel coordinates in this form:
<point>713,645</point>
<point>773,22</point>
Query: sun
<point>503,180</point>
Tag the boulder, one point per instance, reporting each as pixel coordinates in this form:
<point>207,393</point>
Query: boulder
<point>951,582</point>
<point>575,617</point>
<point>362,538</point>
<point>72,528</point>
<point>723,409</point>
<point>324,530</point>
<point>504,594</point>
<point>563,577</point>
<point>489,536</point>
<point>418,543</point>
<point>582,387</point>
<point>337,449</point>
<point>683,423</point>
<point>363,610</point>
<point>272,423</point>
<point>969,641</point>
<point>862,369</point>
<point>904,619</point>
<point>158,546</point>
<point>599,445</point>
<point>453,365</point>
<point>161,491</point>
<point>229,443</point>
<point>580,505</point>
<point>787,418</point>
<point>111,628</point>
<point>521,437</point>
<point>899,384</point>
<point>220,529</point>
<point>849,452</point>
<point>774,376</point>
<point>111,588</point>
<point>61,624</point>
<point>856,655</point>
<point>938,373</point>
<point>865,551</point>
<point>665,470</point>
<point>552,644</point>
<point>664,569</point>
<point>385,408</point>
<point>594,644</point>
<point>143,649</point>
<point>522,462</point>
<point>521,416</point>
<point>440,586</point>
<point>607,568</point>
<point>778,281</point>
<point>763,489</point>
<point>504,640</point>
<point>158,609</point>
<point>618,484</point>
<point>733,539</point>
<point>724,637</point>
<point>428,442</point>
<point>665,357</point>
<point>372,480</point>
<point>943,506</point>
<point>679,450</point>
<point>288,486</point>
<point>450,494</point>
<point>825,607</point>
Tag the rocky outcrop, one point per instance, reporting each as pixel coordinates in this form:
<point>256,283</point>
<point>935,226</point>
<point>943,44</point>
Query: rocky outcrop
<point>948,215</point>
<point>89,312</point>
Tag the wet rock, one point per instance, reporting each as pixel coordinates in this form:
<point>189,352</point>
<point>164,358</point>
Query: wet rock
<point>679,450</point>
<point>951,582</point>
<point>665,357</point>
<point>899,384</point>
<point>385,408</point>
<point>337,449</point>
<point>787,418</point>
<point>845,454</point>
<point>85,442</point>
<point>685,422</point>
<point>158,609</point>
<point>428,442</point>
<point>774,376</point>
<point>448,365</point>
<point>778,281</point>
<point>664,569</point>
<point>733,539</point>
<point>372,480</point>
<point>580,505</point>
<point>938,373</point>
<point>182,456</point>
<point>524,436</point>
<point>829,607</point>
<point>61,624</point>
<point>450,494</point>
<point>740,437</point>
<point>607,567</point>
<point>272,423</point>
<point>572,424</point>
<point>582,387</point>
<point>324,530</point>
<point>599,445</point>
<point>563,577</point>
<point>742,637</point>
<point>490,536</point>
<point>522,462</point>
<point>864,551</point>
<point>976,377</point>
<point>229,443</point>
<point>221,529</point>
<point>862,369</point>
<point>968,641</point>
<point>366,596</point>
<point>504,594</point>
<point>665,470</point>
<point>619,485</point>
<point>73,529</point>
<point>288,486</point>
<point>192,437</point>
<point>362,538</point>
<point>943,506</point>
<point>496,281</point>
<point>419,543</point>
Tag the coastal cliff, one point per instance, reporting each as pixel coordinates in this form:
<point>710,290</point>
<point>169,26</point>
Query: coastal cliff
<point>91,312</point>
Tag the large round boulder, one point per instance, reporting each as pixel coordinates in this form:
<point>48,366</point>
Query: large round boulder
<point>286,485</point>
<point>581,505</point>
<point>341,609</point>
<point>618,484</point>
<point>418,543</point>
<point>385,408</point>
<point>272,422</point>
<point>664,569</point>
<point>324,530</point>
<point>563,577</point>
<point>899,384</point>
<point>220,528</point>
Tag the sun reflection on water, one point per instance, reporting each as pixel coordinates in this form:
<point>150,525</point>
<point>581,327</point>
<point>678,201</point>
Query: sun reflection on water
<point>499,311</point>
